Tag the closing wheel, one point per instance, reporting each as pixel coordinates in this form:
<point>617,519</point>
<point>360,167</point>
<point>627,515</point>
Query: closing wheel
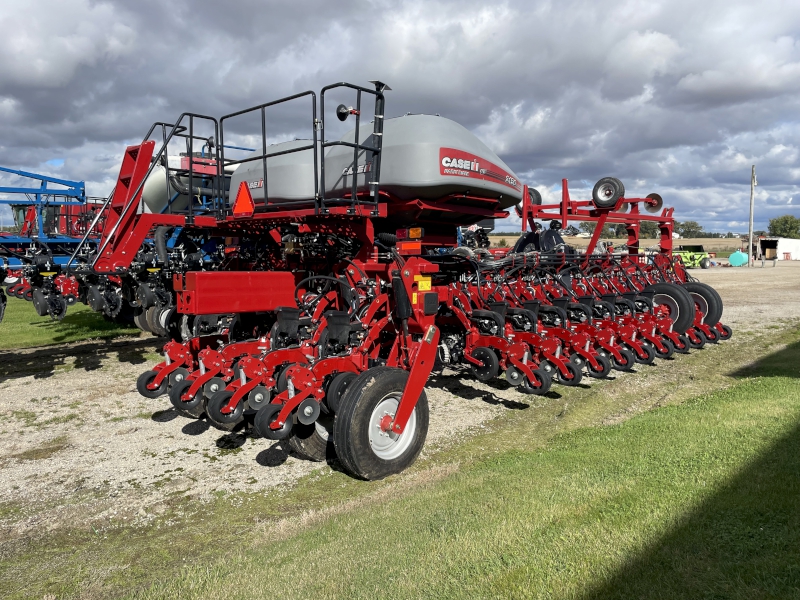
<point>193,407</point>
<point>604,364</point>
<point>364,443</point>
<point>177,376</point>
<point>626,361</point>
<point>336,389</point>
<point>265,416</point>
<point>259,396</point>
<point>713,335</point>
<point>573,378</point>
<point>726,334</point>
<point>650,353</point>
<point>701,340</point>
<point>683,346</point>
<point>213,385</point>
<point>670,349</point>
<point>147,378</point>
<point>313,442</point>
<point>540,387</point>
<point>220,419</point>
<point>491,366</point>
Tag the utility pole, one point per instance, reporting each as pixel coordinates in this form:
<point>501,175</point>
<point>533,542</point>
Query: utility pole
<point>753,183</point>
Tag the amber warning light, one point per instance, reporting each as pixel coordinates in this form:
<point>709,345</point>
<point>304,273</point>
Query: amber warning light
<point>412,233</point>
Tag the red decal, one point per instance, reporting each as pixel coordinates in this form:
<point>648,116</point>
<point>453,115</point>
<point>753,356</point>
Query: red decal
<point>458,163</point>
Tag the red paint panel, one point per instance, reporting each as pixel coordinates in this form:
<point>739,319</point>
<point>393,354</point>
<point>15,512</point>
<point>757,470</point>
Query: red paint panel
<point>206,293</point>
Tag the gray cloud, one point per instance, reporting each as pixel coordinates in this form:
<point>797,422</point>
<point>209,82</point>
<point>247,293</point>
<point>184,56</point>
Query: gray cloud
<point>677,97</point>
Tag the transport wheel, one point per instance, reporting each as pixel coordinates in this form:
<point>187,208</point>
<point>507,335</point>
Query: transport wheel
<point>336,389</point>
<point>146,378</point>
<point>526,242</point>
<point>707,300</point>
<point>699,345</point>
<point>705,263</point>
<point>313,442</point>
<point>626,363</point>
<point>669,352</point>
<point>265,416</point>
<point>193,408</point>
<point>491,366</point>
<point>362,445</point>
<point>676,301</point>
<point>647,360</point>
<point>259,396</point>
<point>605,367</point>
<point>213,385</point>
<point>220,419</point>
<point>140,320</point>
<point>726,334</point>
<point>544,383</point>
<point>607,191</point>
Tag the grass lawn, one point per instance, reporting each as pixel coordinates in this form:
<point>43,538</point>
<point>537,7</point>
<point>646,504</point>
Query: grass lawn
<point>700,500</point>
<point>23,328</point>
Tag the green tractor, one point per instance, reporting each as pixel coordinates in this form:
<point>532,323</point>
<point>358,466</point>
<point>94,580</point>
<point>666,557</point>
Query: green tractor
<point>693,256</point>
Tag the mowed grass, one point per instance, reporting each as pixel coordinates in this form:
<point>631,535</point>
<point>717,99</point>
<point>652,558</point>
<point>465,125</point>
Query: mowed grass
<point>699,500</point>
<point>23,328</point>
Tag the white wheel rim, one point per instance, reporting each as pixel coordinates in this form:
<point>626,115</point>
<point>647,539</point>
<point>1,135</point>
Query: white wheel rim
<point>701,304</point>
<point>388,445</point>
<point>669,302</point>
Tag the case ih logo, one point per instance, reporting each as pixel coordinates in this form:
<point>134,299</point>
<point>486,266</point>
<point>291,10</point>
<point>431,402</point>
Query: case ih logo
<point>458,163</point>
<point>255,184</point>
<point>361,169</point>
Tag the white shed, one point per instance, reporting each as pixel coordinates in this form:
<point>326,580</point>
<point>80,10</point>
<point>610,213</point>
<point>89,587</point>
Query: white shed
<point>779,248</point>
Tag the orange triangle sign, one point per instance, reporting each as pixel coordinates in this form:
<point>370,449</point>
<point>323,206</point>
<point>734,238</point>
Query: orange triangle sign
<point>244,205</point>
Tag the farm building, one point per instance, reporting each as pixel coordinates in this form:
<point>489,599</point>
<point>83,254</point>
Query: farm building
<point>779,248</point>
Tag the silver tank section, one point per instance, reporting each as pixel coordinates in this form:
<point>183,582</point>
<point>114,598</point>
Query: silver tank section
<point>424,157</point>
<point>157,194</point>
<point>290,177</point>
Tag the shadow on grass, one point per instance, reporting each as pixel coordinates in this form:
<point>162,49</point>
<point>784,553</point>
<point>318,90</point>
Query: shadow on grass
<point>47,361</point>
<point>783,363</point>
<point>744,542</point>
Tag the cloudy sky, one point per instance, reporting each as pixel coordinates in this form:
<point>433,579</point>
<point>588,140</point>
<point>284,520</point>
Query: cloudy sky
<point>677,97</point>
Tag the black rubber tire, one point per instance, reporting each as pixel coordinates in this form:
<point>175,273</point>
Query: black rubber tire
<point>265,416</point>
<point>701,344</point>
<point>727,333</point>
<point>686,347</point>
<point>680,300</point>
<point>649,359</point>
<point>336,389</point>
<point>545,383</point>
<point>628,361</point>
<point>710,297</point>
<point>607,192</point>
<point>151,315</point>
<point>491,366</point>
<point>140,320</point>
<point>307,442</point>
<point>215,415</point>
<point>39,301</point>
<point>714,337</point>
<point>352,424</point>
<point>144,379</point>
<point>526,243</point>
<point>536,197</point>
<point>670,349</point>
<point>575,372</point>
<point>605,367</point>
<point>282,382</point>
<point>705,263</point>
<point>193,408</point>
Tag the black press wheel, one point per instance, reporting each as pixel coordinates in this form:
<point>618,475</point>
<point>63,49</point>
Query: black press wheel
<point>147,378</point>
<point>364,448</point>
<point>726,334</point>
<point>491,366</point>
<point>682,347</point>
<point>540,387</point>
<point>701,340</point>
<point>265,416</point>
<point>650,355</point>
<point>313,442</point>
<point>604,369</point>
<point>574,374</point>
<point>626,361</point>
<point>193,407</point>
<point>669,349</point>
<point>220,419</point>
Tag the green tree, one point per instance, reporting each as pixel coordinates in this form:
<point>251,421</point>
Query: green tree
<point>649,230</point>
<point>787,226</point>
<point>689,229</point>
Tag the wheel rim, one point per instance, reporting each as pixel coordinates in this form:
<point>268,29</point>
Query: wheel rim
<point>388,445</point>
<point>606,191</point>
<point>674,311</point>
<point>701,304</point>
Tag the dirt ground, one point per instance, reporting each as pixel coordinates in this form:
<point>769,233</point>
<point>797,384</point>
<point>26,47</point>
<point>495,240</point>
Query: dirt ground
<point>79,444</point>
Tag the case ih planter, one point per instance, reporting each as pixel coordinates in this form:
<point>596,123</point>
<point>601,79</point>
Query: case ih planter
<point>311,287</point>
